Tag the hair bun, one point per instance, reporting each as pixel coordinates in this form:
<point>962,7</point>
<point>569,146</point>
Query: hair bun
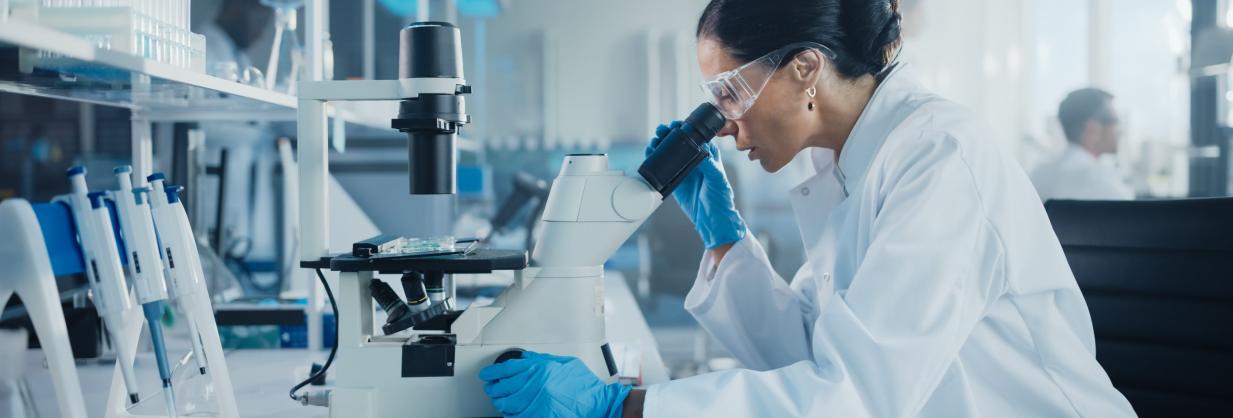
<point>873,30</point>
<point>882,48</point>
<point>864,34</point>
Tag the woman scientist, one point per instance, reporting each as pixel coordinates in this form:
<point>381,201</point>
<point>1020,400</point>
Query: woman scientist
<point>934,284</point>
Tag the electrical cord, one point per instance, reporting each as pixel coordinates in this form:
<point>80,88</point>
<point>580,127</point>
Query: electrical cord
<point>333,350</point>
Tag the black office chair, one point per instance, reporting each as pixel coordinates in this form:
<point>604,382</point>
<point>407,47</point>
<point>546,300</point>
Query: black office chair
<point>1158,279</point>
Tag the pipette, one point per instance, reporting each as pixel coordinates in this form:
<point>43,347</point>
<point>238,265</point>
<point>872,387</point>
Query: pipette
<point>179,254</point>
<point>138,229</point>
<point>103,268</point>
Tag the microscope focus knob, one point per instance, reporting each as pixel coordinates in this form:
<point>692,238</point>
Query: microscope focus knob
<point>513,353</point>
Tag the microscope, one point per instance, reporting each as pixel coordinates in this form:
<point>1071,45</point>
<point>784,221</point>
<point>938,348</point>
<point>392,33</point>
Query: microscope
<point>425,359</point>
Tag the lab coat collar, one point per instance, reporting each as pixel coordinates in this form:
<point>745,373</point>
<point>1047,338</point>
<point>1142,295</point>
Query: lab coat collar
<point>886,109</point>
<point>817,196</point>
<point>1076,151</point>
<point>814,199</point>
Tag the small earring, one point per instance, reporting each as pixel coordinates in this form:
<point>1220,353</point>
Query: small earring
<point>811,92</point>
<point>810,106</point>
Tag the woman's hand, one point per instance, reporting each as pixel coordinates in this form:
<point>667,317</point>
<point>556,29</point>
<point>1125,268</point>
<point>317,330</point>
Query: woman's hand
<point>706,197</point>
<point>544,385</point>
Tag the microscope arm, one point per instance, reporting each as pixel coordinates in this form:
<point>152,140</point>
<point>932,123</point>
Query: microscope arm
<point>557,304</point>
<point>590,212</point>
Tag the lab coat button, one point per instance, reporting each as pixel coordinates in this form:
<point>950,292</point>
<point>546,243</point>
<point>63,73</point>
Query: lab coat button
<point>804,191</point>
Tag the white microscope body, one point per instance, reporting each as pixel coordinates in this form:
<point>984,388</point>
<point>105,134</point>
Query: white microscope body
<point>559,299</point>
<point>556,306</point>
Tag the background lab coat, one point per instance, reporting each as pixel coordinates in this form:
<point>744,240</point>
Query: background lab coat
<point>935,288</point>
<point>1076,174</point>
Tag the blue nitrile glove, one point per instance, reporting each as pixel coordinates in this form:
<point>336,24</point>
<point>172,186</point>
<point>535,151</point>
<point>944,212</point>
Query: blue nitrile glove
<point>706,196</point>
<point>544,385</point>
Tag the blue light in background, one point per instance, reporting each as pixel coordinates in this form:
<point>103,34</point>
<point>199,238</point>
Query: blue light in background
<point>479,8</point>
<point>400,7</point>
<point>471,179</point>
<point>472,8</point>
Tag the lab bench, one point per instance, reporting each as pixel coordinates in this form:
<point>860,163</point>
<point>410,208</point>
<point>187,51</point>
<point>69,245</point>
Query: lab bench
<point>262,377</point>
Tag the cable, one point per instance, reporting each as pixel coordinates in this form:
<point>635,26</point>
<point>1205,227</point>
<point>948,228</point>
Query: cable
<point>333,350</point>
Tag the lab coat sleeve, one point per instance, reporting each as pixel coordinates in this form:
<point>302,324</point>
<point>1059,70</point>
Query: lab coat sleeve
<point>882,346</point>
<point>755,314</point>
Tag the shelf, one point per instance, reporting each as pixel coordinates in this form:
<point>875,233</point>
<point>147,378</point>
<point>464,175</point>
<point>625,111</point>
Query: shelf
<point>155,91</point>
<point>37,60</point>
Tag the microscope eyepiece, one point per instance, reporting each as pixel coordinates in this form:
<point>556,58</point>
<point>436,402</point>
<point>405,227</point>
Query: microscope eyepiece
<point>707,119</point>
<point>682,149</point>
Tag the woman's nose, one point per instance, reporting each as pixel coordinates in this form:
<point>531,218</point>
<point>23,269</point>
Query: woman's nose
<point>729,129</point>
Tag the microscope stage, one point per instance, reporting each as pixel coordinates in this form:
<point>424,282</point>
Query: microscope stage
<point>480,261</point>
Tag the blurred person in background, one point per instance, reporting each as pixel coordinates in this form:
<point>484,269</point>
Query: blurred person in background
<point>1092,129</point>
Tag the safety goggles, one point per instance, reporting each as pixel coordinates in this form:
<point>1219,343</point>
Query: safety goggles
<point>735,91</point>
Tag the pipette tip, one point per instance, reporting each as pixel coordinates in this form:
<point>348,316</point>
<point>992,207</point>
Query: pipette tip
<point>169,397</point>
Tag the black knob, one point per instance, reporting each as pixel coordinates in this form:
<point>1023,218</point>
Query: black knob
<point>319,379</point>
<point>513,353</point>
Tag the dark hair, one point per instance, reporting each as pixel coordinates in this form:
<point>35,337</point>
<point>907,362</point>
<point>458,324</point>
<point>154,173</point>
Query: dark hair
<point>864,34</point>
<point>1079,107</point>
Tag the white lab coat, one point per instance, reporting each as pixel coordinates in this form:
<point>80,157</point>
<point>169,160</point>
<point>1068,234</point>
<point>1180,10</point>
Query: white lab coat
<point>1077,174</point>
<point>934,287</point>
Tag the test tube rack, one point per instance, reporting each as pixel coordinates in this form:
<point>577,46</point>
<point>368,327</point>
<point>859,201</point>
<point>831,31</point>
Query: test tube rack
<point>153,29</point>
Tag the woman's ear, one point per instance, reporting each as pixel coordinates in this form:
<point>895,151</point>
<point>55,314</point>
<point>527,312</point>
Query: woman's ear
<point>807,67</point>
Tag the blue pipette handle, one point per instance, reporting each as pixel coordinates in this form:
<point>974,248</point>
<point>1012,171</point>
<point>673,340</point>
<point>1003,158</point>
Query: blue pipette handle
<point>154,313</point>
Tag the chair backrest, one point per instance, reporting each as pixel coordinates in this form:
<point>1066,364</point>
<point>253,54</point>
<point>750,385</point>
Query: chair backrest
<point>1158,279</point>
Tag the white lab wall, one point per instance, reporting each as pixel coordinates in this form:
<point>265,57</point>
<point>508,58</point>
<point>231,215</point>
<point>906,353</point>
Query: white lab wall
<point>1148,46</point>
<point>1010,61</point>
<point>1059,62</point>
<point>971,51</point>
<point>568,71</point>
